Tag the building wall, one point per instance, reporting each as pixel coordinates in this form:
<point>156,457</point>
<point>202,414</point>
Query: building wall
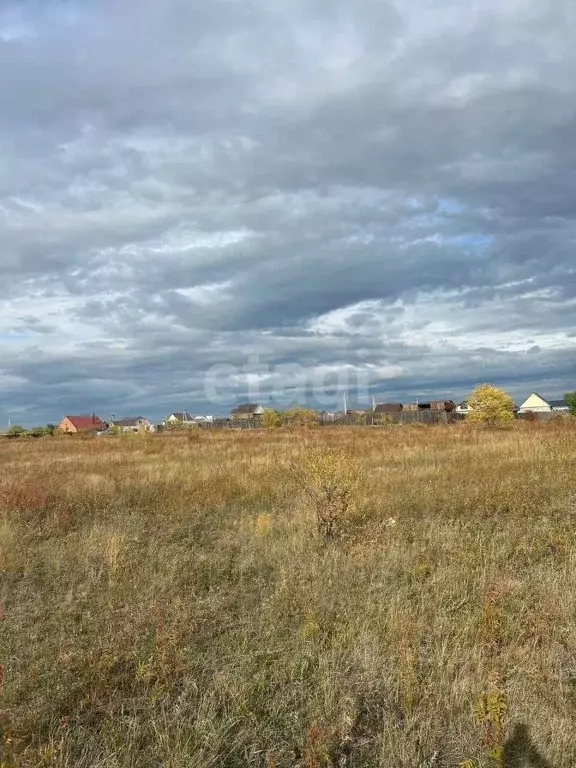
<point>143,426</point>
<point>67,426</point>
<point>536,404</point>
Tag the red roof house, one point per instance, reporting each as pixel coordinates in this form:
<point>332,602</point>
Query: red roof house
<point>75,424</point>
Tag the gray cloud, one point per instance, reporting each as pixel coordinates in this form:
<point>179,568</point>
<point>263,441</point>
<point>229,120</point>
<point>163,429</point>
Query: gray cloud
<point>384,190</point>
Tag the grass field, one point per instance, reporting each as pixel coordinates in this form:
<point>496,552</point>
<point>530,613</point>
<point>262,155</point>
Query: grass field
<point>170,600</point>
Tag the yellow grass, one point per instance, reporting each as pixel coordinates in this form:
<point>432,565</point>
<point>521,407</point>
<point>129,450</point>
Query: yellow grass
<point>171,601</point>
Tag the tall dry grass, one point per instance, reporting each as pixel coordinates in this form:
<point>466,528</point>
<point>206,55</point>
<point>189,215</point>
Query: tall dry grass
<point>172,602</point>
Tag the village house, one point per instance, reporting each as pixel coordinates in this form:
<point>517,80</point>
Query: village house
<point>357,412</point>
<point>185,419</point>
<point>430,405</point>
<point>388,409</point>
<point>86,424</point>
<point>246,411</point>
<point>177,418</point>
<point>132,424</point>
<point>535,403</point>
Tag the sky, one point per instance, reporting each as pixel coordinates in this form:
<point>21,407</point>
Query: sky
<point>203,203</point>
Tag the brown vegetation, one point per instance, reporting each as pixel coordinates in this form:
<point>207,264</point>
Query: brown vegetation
<point>181,601</point>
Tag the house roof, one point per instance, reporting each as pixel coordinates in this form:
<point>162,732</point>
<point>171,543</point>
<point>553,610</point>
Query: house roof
<point>537,394</point>
<point>85,422</point>
<point>129,421</point>
<point>245,408</point>
<point>388,408</point>
<point>182,416</point>
<point>558,403</point>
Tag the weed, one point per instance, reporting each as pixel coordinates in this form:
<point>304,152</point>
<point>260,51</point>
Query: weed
<point>163,603</point>
<point>333,480</point>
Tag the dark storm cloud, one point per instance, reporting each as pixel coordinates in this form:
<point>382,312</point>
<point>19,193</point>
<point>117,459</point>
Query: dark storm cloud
<point>385,189</point>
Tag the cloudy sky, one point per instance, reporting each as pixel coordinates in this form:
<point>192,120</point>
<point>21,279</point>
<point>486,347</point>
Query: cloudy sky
<point>204,201</point>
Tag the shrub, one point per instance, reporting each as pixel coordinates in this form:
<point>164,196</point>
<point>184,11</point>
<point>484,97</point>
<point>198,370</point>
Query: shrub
<point>271,419</point>
<point>570,400</point>
<point>15,430</point>
<point>297,416</point>
<point>384,420</point>
<point>332,479</point>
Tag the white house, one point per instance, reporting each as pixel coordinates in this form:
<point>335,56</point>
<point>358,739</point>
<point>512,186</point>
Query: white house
<point>185,419</point>
<point>246,411</point>
<point>133,424</point>
<point>178,417</point>
<point>535,403</point>
<point>463,408</point>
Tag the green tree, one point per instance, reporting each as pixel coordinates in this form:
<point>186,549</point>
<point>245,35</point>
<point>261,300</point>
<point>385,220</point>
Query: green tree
<point>15,430</point>
<point>570,400</point>
<point>490,405</point>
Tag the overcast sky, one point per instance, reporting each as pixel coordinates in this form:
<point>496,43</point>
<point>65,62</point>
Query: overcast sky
<point>208,202</point>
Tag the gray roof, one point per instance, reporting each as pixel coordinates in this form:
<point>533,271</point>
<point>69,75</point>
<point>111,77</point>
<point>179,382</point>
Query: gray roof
<point>129,421</point>
<point>245,408</point>
<point>388,408</point>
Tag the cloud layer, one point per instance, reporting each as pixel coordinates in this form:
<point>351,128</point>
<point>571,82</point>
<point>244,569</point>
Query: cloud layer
<point>201,202</point>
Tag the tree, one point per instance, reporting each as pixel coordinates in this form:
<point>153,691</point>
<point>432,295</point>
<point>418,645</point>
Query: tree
<point>490,405</point>
<point>570,400</point>
<point>15,430</point>
<point>297,416</point>
<point>271,419</point>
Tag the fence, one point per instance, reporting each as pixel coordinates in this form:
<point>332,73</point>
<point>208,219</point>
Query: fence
<point>402,417</point>
<point>365,420</point>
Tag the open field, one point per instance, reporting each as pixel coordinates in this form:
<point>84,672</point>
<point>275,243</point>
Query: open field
<point>169,601</point>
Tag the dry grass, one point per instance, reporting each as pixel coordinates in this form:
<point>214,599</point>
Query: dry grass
<point>170,602</point>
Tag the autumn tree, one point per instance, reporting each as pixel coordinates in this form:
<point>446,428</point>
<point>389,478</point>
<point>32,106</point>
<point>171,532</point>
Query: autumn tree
<point>271,419</point>
<point>490,405</point>
<point>297,416</point>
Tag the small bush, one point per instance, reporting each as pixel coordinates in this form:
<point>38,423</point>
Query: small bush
<point>271,419</point>
<point>332,479</point>
<point>299,417</point>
